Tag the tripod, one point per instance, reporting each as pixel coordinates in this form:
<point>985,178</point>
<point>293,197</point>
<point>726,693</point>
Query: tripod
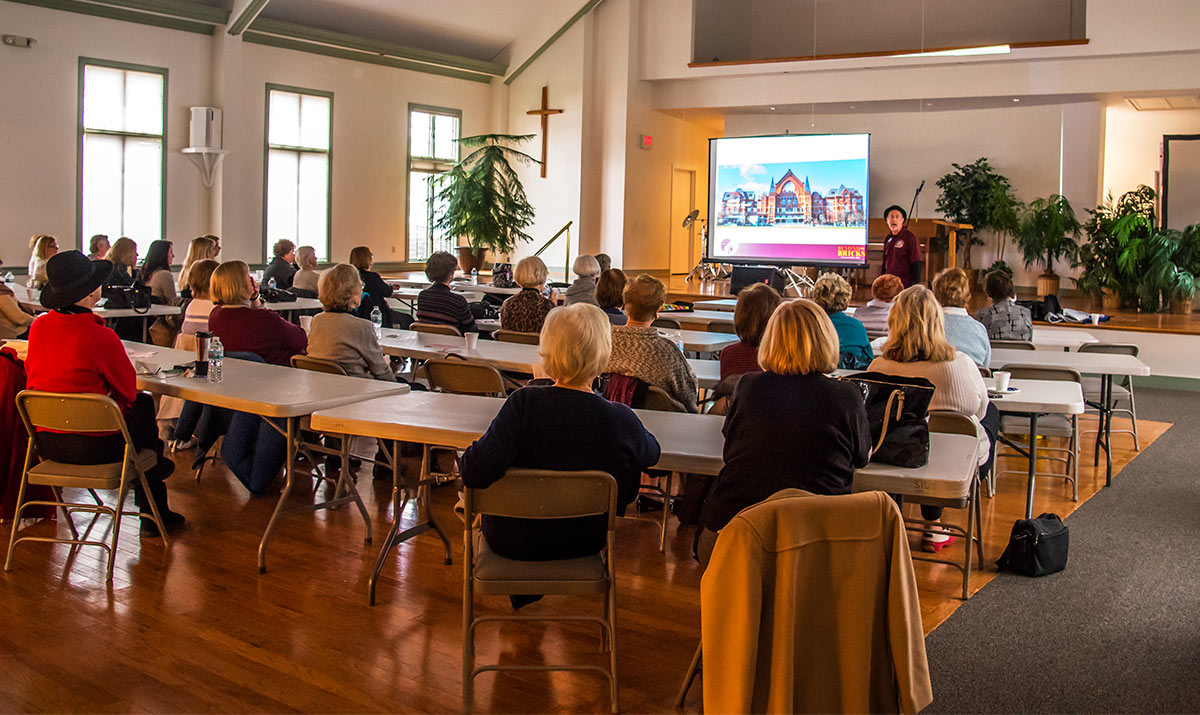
<point>797,281</point>
<point>704,270</point>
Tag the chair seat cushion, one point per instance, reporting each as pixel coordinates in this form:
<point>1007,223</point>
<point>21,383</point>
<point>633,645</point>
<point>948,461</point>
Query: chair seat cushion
<point>87,476</point>
<point>496,574</point>
<point>1091,389</point>
<point>1048,425</point>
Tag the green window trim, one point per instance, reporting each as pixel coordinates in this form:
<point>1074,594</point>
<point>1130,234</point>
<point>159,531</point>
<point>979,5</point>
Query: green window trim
<point>268,146</point>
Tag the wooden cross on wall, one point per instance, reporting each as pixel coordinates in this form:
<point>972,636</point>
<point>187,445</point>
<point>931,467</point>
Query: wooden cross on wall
<point>545,111</point>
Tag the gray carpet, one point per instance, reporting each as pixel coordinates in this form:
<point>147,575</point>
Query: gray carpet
<point>1119,630</point>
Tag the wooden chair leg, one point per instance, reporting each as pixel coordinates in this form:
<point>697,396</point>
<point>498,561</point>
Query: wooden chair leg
<point>688,679</point>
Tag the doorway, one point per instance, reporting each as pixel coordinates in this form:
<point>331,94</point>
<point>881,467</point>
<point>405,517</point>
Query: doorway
<point>683,200</point>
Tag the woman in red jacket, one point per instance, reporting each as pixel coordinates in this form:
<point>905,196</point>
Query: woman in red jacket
<point>242,325</point>
<point>71,350</point>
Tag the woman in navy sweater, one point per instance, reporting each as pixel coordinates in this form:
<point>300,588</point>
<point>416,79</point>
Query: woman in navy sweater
<point>563,426</point>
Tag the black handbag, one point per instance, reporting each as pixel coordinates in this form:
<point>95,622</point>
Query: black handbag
<point>276,295</point>
<point>898,414</point>
<point>1037,547</point>
<point>136,296</point>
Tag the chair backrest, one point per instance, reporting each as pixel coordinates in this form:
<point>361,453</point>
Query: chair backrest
<point>435,328</point>
<point>722,328</point>
<point>82,413</point>
<point>1110,348</point>
<point>669,323</point>
<point>719,406</point>
<point>658,399</point>
<point>1013,345</point>
<point>545,494</point>
<point>951,422</point>
<point>1039,372</point>
<point>464,377</point>
<point>306,362</point>
<point>515,336</point>
<point>985,371</point>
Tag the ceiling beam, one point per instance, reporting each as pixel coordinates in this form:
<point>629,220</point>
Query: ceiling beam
<point>244,13</point>
<point>296,31</point>
<point>119,10</point>
<point>174,8</point>
<point>587,7</point>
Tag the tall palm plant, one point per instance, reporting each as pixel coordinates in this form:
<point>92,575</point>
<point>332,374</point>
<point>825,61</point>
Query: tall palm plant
<point>482,196</point>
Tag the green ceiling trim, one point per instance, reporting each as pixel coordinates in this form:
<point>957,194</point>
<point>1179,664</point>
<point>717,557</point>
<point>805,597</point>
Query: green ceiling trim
<point>247,16</point>
<point>288,43</point>
<point>362,44</point>
<point>175,8</point>
<point>116,13</point>
<point>587,7</point>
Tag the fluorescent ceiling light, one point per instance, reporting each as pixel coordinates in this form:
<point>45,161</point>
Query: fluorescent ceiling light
<point>962,52</point>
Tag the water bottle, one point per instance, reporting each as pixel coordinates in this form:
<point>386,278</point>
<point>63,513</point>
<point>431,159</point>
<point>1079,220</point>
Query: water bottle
<point>677,339</point>
<point>377,319</point>
<point>271,284</point>
<point>216,356</point>
<point>474,276</point>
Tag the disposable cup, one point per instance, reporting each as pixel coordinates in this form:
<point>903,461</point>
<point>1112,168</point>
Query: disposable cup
<point>1002,379</point>
<point>306,322</point>
<point>1095,318</point>
<point>472,340</point>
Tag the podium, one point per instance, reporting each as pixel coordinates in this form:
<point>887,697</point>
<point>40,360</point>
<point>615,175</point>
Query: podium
<point>925,230</point>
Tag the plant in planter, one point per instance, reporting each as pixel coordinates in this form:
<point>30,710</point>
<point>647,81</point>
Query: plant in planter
<point>976,194</point>
<point>1046,233</point>
<point>1115,225</point>
<point>483,198</point>
<point>1167,262</point>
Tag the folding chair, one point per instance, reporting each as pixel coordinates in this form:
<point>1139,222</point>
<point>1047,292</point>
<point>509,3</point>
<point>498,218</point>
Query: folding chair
<point>539,494</point>
<point>668,323</point>
<point>435,329</point>
<point>1013,345</point>
<point>1063,426</point>
<point>82,413</point>
<point>1122,389</point>
<point>515,336</point>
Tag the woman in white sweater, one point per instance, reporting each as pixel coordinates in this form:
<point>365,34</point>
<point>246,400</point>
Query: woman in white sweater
<point>917,347</point>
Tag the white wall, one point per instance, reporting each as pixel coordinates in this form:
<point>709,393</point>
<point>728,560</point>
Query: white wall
<point>40,113</point>
<point>1133,144</point>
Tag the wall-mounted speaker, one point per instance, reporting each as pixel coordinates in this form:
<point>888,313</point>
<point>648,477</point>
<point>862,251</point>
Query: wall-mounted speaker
<point>205,130</point>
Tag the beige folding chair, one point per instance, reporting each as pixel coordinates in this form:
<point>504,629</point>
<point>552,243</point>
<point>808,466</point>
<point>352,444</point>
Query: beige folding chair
<point>464,377</point>
<point>515,336</point>
<point>539,494</point>
<point>1013,345</point>
<point>668,323</point>
<point>950,422</point>
<point>657,399</point>
<point>82,413</point>
<point>985,372</point>
<point>312,364</point>
<point>435,329</point>
<point>722,328</point>
<point>1061,426</point>
<point>1122,389</point>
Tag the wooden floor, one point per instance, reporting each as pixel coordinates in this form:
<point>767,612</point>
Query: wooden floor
<point>199,629</point>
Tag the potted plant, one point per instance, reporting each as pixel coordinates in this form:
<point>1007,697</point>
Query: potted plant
<point>976,194</point>
<point>1116,229</point>
<point>1047,233</point>
<point>483,200</point>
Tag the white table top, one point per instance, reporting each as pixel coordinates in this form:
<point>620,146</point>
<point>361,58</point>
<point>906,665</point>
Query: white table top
<point>154,311</point>
<point>456,285</point>
<point>702,341</point>
<point>947,474</point>
<point>722,304</point>
<point>1043,396</point>
<point>267,390</point>
<point>1043,338</point>
<point>1091,363</point>
<point>705,317</point>
<point>298,304</point>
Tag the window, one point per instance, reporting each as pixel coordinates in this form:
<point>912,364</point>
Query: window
<point>121,161</point>
<point>432,150</point>
<point>298,168</point>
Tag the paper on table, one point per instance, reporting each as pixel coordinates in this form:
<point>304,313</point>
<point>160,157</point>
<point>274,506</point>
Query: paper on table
<point>139,354</point>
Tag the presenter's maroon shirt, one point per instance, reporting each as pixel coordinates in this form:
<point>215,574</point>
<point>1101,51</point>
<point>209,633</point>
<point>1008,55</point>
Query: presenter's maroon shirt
<point>899,253</point>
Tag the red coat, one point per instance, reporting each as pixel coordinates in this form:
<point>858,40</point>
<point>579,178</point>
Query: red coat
<point>13,441</point>
<point>74,352</point>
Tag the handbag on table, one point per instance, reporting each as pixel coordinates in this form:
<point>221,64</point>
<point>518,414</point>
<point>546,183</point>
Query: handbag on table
<point>898,415</point>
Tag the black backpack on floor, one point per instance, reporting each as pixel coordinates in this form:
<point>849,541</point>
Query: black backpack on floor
<point>1037,547</point>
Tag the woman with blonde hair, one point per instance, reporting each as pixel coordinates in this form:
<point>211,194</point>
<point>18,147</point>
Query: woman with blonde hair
<point>583,290</point>
<point>43,246</point>
<point>123,255</point>
<point>832,293</point>
<point>526,311</point>
<point>339,335</point>
<point>564,426</point>
<point>917,347</point>
<point>304,283</point>
<point>791,425</point>
<point>15,319</point>
<point>244,327</point>
<point>200,249</point>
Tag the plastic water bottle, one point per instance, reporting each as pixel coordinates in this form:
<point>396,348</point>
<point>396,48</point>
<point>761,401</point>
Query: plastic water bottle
<point>377,319</point>
<point>677,339</point>
<point>216,356</point>
<point>474,276</point>
<point>271,284</point>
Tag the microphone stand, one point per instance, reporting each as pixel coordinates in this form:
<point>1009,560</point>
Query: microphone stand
<point>912,207</point>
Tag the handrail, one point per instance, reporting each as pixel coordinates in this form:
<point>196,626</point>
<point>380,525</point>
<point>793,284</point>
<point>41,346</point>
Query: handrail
<point>565,229</point>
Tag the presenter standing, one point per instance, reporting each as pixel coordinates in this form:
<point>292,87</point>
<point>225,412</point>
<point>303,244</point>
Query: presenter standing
<point>901,249</point>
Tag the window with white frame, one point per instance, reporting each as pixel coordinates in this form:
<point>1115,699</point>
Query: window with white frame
<point>432,150</point>
<point>299,163</point>
<point>121,159</point>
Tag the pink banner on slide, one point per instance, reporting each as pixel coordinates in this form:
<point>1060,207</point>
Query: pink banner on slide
<point>802,252</point>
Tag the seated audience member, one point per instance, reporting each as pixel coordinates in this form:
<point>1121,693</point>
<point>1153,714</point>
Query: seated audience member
<point>639,351</point>
<point>339,335</point>
<point>564,426</point>
<point>755,304</point>
<point>953,290</point>
<point>609,288</point>
<point>526,311</point>
<point>245,328</point>
<point>583,290</point>
<point>123,255</point>
<point>71,351</point>
<point>917,347</point>
<point>832,293</point>
<point>874,315</point>
<point>604,261</point>
<point>1004,319</point>
<point>98,247</point>
<point>376,291</point>
<point>155,274</point>
<point>439,304</point>
<point>14,318</point>
<point>43,246</point>
<point>216,245</point>
<point>195,315</point>
<point>789,426</point>
<point>200,249</point>
<point>195,320</point>
<point>282,267</point>
<point>304,283</point>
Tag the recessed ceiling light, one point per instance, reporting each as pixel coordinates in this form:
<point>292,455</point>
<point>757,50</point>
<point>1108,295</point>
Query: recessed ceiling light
<point>1016,100</point>
<point>772,109</point>
<point>853,107</point>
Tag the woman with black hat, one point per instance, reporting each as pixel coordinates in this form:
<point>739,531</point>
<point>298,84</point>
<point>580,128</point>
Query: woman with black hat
<point>70,350</point>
